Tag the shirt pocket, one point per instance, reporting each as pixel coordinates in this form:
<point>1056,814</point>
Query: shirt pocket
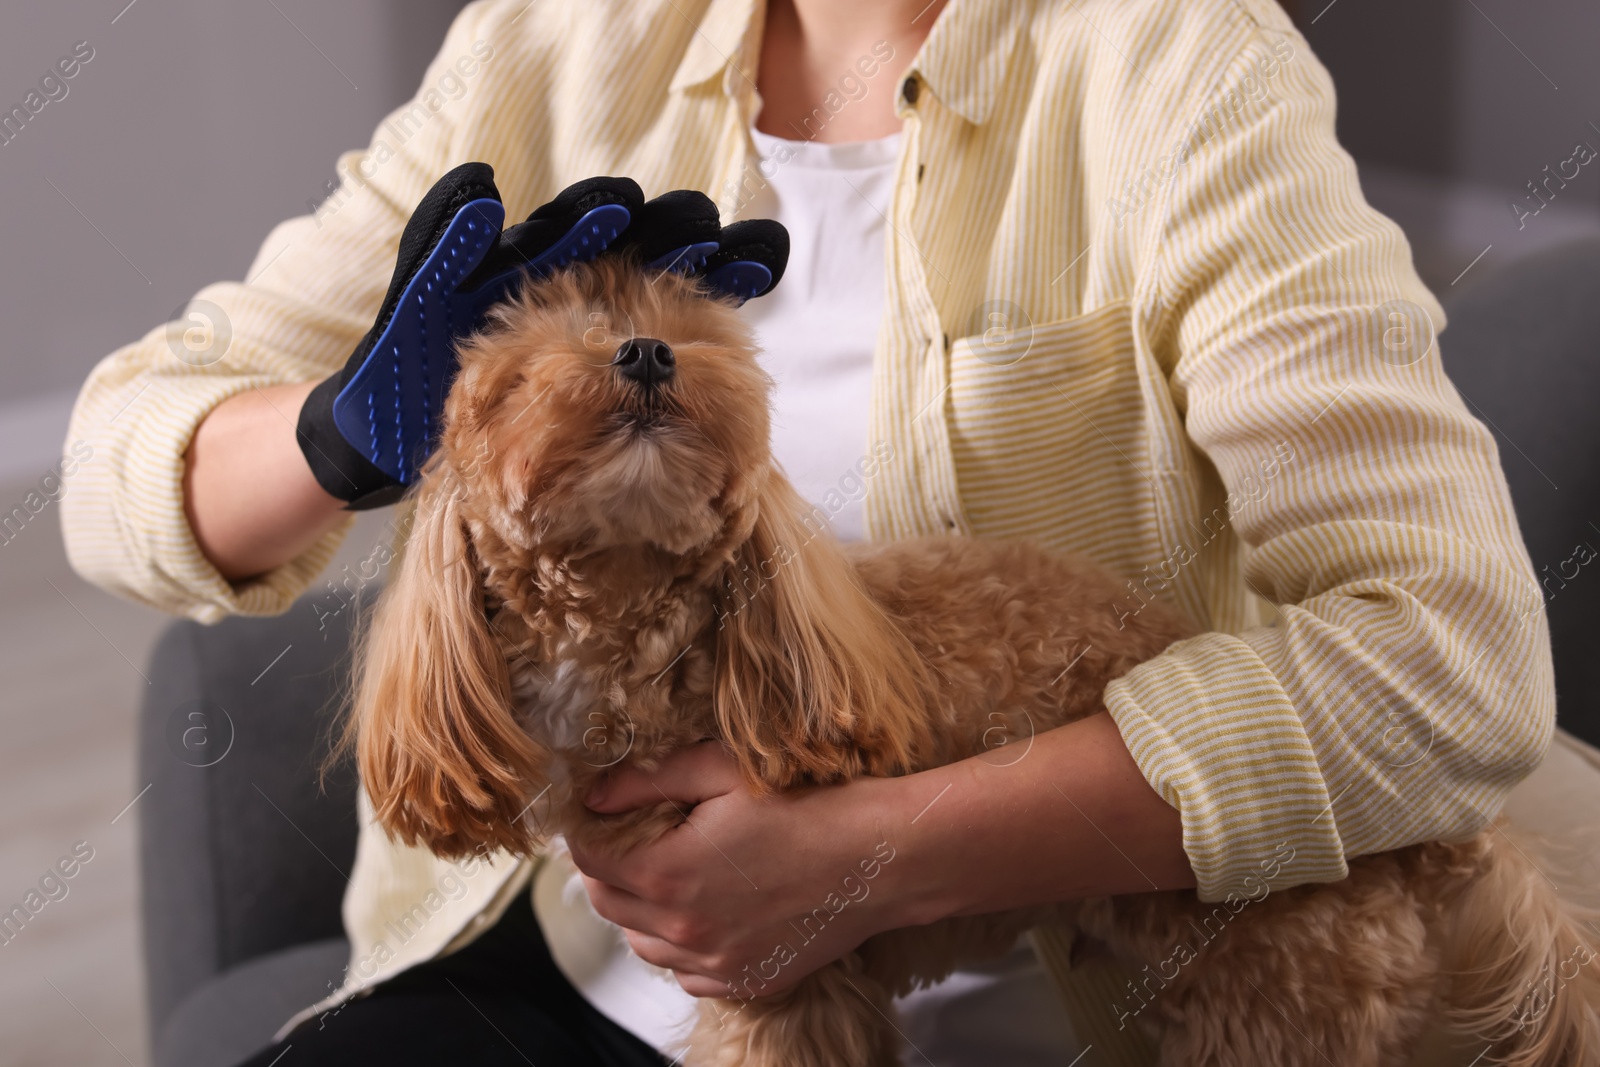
<point>1050,435</point>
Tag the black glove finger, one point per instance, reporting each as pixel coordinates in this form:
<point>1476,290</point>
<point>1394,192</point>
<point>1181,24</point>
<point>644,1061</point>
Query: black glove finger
<point>749,261</point>
<point>675,231</point>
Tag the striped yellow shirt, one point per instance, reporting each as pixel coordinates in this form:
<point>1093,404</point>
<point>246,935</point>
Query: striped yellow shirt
<point>1136,306</point>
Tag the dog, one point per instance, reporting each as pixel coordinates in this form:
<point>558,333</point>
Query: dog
<point>606,566</point>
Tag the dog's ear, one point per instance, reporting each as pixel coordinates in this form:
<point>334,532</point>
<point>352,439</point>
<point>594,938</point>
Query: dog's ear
<point>440,751</point>
<point>814,681</point>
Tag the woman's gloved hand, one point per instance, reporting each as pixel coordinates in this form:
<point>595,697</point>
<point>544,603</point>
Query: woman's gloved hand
<point>366,431</point>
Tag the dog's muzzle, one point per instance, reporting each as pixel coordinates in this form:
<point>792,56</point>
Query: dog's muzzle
<point>646,361</point>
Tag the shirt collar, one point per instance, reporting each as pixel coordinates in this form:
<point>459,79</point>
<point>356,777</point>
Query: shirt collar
<point>718,39</point>
<point>964,60</point>
<point>966,56</point>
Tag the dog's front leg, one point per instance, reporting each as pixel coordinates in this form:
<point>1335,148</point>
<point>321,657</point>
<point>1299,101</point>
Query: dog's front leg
<point>837,1016</point>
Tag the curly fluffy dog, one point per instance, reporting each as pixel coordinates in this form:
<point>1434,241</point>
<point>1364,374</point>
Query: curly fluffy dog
<point>607,565</point>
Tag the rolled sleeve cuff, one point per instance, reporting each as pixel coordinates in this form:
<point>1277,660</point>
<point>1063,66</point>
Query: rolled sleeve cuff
<point>1216,735</point>
<point>150,507</point>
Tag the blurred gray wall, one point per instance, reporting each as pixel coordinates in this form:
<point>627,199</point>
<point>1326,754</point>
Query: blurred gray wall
<point>197,126</point>
<point>1452,106</point>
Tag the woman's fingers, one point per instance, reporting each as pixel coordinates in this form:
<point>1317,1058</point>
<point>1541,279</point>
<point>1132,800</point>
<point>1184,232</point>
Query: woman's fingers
<point>689,970</point>
<point>663,954</point>
<point>654,871</point>
<point>601,867</point>
<point>685,778</point>
<point>648,929</point>
<point>688,933</point>
<point>700,986</point>
<point>617,905</point>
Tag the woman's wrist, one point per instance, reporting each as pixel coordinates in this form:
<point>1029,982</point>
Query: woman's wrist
<point>252,502</point>
<point>866,828</point>
<point>920,887</point>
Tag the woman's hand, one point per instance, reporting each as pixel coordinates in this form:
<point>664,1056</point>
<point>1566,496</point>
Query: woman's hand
<point>749,895</point>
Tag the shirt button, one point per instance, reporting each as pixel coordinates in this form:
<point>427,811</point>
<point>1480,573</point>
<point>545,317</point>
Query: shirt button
<point>909,89</point>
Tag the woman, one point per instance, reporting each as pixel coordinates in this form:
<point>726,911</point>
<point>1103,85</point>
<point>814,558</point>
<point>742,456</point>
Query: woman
<point>1097,274</point>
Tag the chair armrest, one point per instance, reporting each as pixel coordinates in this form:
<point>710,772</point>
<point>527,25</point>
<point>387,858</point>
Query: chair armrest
<point>245,848</point>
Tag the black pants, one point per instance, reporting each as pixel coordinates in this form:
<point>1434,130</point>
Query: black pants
<point>499,1001</point>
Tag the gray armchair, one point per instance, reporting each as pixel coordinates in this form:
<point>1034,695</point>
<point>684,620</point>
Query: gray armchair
<point>244,860</point>
<point>244,852</point>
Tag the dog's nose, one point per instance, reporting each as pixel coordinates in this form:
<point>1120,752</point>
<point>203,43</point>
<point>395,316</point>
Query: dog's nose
<point>647,361</point>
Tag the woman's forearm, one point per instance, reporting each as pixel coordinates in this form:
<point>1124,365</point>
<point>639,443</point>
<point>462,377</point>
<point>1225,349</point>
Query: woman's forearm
<point>1071,816</point>
<point>251,500</point>
<point>1068,817</point>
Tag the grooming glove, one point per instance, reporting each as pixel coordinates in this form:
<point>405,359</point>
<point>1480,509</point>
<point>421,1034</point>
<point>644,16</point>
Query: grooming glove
<point>366,431</point>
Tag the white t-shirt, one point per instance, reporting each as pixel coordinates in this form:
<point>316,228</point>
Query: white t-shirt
<point>817,331</point>
<point>818,328</point>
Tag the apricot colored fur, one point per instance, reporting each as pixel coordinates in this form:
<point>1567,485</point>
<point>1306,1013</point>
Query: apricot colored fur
<point>598,575</point>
